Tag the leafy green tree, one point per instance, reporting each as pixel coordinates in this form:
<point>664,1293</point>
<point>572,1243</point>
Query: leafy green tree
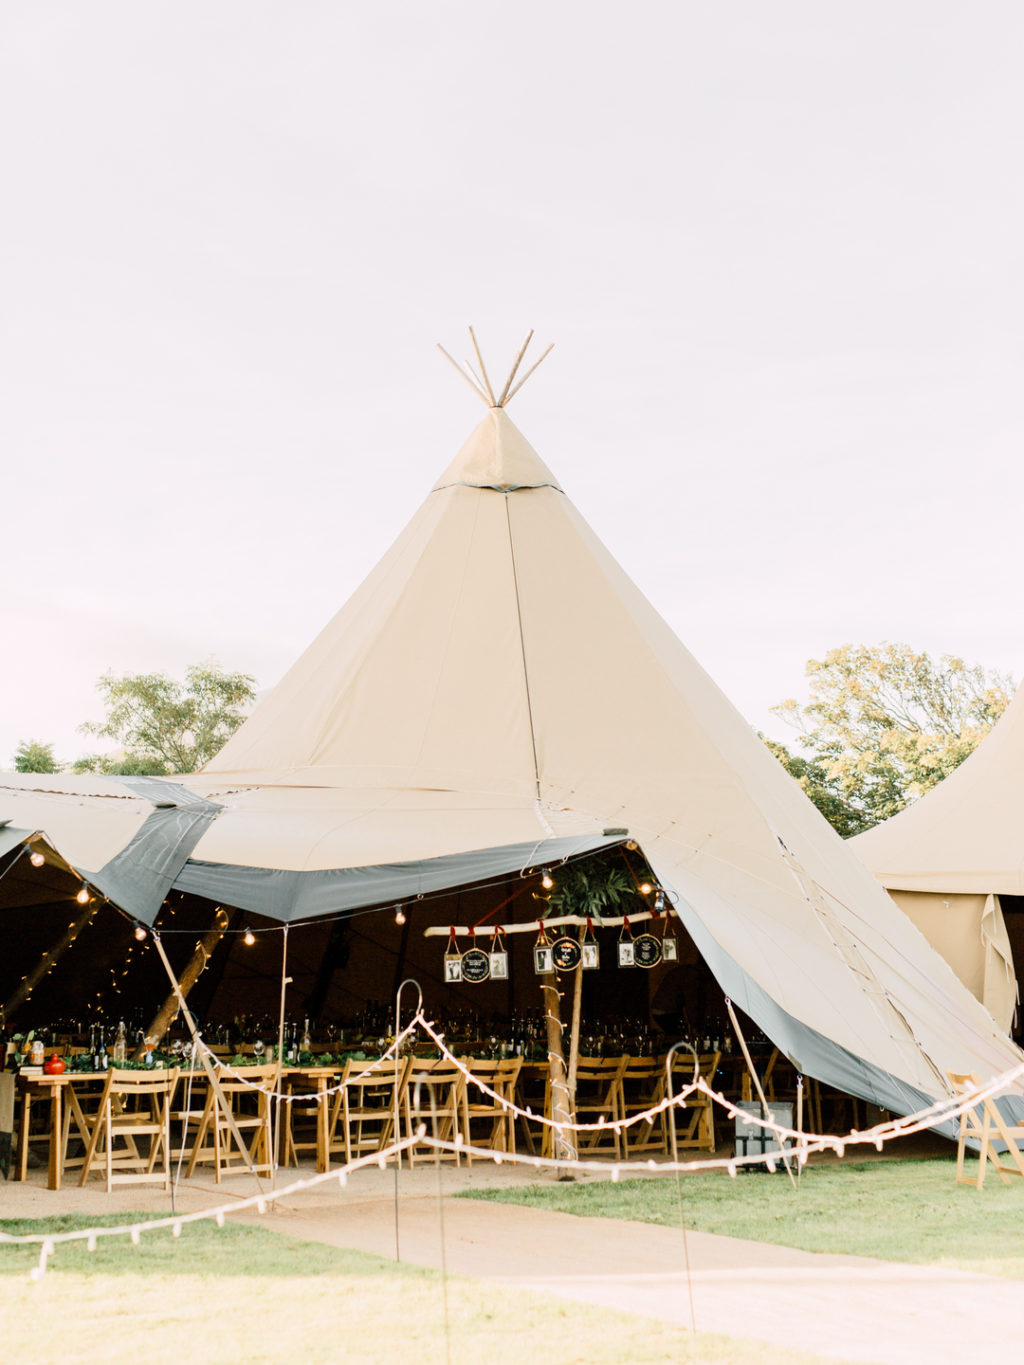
<point>33,757</point>
<point>884,724</point>
<point>164,726</point>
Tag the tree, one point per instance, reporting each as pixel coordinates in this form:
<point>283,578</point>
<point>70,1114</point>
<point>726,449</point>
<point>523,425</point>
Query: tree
<point>33,757</point>
<point>883,725</point>
<point>165,727</point>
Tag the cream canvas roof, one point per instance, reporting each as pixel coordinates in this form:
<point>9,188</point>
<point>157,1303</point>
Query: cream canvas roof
<point>498,683</point>
<point>966,834</point>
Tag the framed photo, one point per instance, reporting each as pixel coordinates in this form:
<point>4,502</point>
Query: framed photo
<point>499,966</point>
<point>591,956</point>
<point>626,958</point>
<point>452,969</point>
<point>669,949</point>
<point>542,959</point>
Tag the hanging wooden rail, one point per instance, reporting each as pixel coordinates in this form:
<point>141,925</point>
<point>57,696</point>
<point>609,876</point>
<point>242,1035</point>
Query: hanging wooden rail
<point>534,926</point>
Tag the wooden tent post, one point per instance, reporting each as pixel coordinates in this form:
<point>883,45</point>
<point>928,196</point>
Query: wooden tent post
<point>564,1149</point>
<point>163,1018</point>
<point>47,961</point>
<point>574,1033</point>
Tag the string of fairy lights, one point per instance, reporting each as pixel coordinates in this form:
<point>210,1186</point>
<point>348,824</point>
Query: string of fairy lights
<point>800,1146</point>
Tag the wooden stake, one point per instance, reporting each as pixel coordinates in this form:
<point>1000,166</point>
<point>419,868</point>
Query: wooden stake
<point>48,959</point>
<point>164,1016</point>
<point>512,375</point>
<point>483,368</point>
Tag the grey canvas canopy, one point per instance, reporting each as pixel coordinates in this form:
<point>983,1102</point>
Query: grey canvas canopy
<point>497,695</point>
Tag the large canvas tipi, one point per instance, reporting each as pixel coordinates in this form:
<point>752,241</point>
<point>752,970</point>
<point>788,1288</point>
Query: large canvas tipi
<point>954,863</point>
<point>498,694</point>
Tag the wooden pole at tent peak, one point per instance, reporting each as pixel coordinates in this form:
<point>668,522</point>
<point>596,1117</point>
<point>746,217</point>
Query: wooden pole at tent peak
<point>164,1016</point>
<point>47,962</point>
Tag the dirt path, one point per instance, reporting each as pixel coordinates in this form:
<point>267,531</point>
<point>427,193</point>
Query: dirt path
<point>848,1307</point>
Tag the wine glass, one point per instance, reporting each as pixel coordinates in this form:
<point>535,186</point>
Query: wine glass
<point>257,1050</point>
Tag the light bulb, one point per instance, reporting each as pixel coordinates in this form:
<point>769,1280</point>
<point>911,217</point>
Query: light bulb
<point>36,858</point>
<point>546,881</point>
<point>399,915</point>
<point>140,932</point>
<point>645,888</point>
<point>83,896</point>
<point>249,938</point>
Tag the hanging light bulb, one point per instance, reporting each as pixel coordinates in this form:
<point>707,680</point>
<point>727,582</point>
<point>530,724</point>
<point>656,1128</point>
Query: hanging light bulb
<point>83,895</point>
<point>248,938</point>
<point>645,888</point>
<point>547,882</point>
<point>36,858</point>
<point>140,932</point>
<point>399,915</point>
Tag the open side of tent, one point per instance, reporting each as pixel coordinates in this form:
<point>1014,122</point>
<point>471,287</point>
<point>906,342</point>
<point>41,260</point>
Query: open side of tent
<point>496,695</point>
<point>954,863</point>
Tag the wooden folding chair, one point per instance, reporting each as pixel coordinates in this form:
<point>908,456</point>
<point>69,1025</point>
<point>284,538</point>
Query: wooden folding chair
<point>692,1123</point>
<point>248,1096</point>
<point>532,1094</point>
<point>985,1123</point>
<point>134,1105</point>
<point>643,1088</point>
<point>365,1106</point>
<point>434,1097</point>
<point>599,1095</point>
<point>479,1108</point>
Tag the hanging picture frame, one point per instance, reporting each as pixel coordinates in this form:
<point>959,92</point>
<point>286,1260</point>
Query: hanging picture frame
<point>669,949</point>
<point>542,961</point>
<point>452,962</point>
<point>625,945</point>
<point>498,957</point>
<point>590,952</point>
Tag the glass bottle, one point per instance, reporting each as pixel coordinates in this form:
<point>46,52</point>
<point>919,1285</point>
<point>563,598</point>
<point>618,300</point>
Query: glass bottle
<point>120,1053</point>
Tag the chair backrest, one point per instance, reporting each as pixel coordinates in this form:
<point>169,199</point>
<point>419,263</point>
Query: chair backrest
<point>505,1070</point>
<point>375,1077</point>
<point>600,1068</point>
<point>247,1079</point>
<point>683,1072</point>
<point>642,1069</point>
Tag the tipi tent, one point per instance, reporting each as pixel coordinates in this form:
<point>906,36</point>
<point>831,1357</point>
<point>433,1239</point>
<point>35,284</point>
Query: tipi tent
<point>499,694</point>
<point>954,862</point>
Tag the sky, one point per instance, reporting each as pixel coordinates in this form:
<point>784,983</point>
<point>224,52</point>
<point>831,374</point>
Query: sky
<point>778,248</point>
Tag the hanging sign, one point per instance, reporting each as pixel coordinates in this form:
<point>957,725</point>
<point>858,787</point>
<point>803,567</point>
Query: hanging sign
<point>498,957</point>
<point>590,953</point>
<point>566,953</point>
<point>646,950</point>
<point>669,949</point>
<point>476,965</point>
<point>625,945</point>
<point>452,961</point>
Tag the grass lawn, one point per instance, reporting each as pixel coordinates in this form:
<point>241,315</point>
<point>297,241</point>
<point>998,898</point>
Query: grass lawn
<point>895,1210</point>
<point>248,1294</point>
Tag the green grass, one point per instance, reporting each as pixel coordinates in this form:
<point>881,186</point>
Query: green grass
<point>896,1210</point>
<point>219,1296</point>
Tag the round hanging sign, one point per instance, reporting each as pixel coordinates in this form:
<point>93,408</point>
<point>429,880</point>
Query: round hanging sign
<point>566,953</point>
<point>646,950</point>
<point>476,965</point>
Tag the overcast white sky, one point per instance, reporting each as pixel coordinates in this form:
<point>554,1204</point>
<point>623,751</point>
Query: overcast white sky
<point>779,248</point>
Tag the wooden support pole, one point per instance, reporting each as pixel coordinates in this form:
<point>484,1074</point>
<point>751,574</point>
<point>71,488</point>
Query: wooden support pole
<point>574,1032</point>
<point>47,961</point>
<point>164,1017</point>
<point>564,1148</point>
